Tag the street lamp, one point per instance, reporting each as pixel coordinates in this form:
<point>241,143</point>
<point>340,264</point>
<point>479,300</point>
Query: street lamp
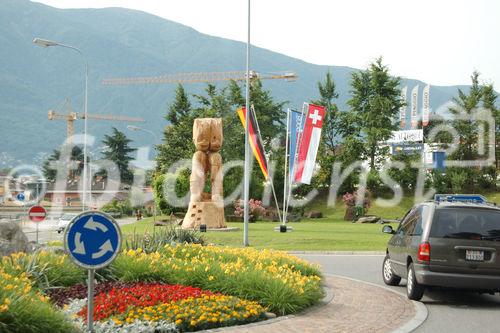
<point>46,43</point>
<point>137,129</point>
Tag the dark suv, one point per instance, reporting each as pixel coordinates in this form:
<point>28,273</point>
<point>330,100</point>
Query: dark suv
<point>453,241</point>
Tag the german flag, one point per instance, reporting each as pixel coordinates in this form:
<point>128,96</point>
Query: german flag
<point>254,137</point>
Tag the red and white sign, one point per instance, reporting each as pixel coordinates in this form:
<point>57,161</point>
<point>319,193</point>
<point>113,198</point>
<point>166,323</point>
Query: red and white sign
<point>37,213</point>
<point>309,144</point>
<point>426,106</point>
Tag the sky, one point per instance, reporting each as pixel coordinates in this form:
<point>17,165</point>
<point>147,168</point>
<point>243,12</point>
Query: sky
<point>437,41</point>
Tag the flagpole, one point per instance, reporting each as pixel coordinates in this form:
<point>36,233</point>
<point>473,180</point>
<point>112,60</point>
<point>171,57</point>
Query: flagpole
<point>246,186</point>
<point>285,181</point>
<point>269,177</point>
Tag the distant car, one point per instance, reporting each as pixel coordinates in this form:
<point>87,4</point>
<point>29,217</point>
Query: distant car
<point>64,221</point>
<point>452,242</point>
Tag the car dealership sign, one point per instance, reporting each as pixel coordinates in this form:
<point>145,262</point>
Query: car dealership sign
<point>407,136</point>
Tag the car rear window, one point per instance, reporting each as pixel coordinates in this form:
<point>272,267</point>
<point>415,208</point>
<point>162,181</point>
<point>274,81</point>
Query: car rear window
<point>466,223</point>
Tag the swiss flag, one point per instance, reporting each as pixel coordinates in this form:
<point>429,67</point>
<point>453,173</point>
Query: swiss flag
<point>309,143</point>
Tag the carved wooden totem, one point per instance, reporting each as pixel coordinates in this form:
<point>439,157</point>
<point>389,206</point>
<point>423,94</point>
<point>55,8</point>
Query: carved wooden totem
<point>206,208</point>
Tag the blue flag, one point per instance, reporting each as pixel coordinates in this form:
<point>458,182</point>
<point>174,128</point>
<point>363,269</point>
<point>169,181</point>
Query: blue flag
<point>296,127</point>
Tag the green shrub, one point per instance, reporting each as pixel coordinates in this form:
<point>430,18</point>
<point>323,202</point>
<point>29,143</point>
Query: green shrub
<point>161,236</point>
<point>458,181</point>
<point>47,269</point>
<point>122,207</point>
<point>25,310</point>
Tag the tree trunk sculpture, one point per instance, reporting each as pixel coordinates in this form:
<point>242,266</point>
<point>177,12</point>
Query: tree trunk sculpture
<point>206,208</point>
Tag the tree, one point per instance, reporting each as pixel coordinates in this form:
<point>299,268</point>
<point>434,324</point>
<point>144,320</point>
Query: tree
<point>177,143</point>
<point>50,172</point>
<point>489,99</point>
<point>375,103</point>
<point>329,142</point>
<point>117,149</point>
<point>218,103</point>
<point>465,125</point>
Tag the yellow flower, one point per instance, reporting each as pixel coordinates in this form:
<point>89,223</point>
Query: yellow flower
<point>210,278</point>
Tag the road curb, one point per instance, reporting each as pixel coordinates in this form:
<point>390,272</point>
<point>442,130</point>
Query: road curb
<point>421,311</point>
<point>345,253</point>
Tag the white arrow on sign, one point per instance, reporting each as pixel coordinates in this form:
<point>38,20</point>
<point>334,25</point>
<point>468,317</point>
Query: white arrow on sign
<point>106,247</point>
<point>79,246</point>
<point>93,225</point>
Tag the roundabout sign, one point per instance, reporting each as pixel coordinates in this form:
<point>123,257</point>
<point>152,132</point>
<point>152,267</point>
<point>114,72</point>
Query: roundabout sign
<point>92,240</point>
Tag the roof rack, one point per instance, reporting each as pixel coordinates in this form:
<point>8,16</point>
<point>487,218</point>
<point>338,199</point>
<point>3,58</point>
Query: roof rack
<point>469,198</point>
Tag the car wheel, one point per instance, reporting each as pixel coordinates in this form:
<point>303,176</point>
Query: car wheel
<point>414,290</point>
<point>388,275</point>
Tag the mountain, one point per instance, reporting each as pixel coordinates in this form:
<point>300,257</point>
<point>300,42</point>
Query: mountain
<point>120,42</point>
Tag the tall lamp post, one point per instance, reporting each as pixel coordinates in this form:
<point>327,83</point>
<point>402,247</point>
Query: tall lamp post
<point>246,173</point>
<point>155,136</point>
<point>47,43</point>
<point>137,128</point>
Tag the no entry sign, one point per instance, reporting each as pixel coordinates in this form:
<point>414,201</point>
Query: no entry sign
<point>37,214</point>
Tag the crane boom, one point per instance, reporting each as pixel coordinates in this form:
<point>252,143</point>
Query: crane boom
<point>111,117</point>
<point>71,116</point>
<point>199,77</point>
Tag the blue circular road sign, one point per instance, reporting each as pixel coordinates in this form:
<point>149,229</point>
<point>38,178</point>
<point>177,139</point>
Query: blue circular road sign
<point>92,239</point>
<point>20,197</point>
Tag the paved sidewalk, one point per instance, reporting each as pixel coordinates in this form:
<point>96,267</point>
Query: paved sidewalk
<point>355,307</point>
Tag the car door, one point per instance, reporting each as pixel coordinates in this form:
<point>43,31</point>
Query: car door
<point>397,244</point>
<point>412,235</point>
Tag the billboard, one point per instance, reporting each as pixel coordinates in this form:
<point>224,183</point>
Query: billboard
<point>415,135</point>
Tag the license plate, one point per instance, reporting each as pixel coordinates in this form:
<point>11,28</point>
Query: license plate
<point>474,255</point>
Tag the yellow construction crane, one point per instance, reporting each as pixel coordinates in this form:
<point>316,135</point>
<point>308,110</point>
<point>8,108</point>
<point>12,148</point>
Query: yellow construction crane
<point>70,116</point>
<point>199,77</point>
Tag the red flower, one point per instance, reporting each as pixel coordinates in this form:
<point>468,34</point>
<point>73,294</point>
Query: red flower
<point>118,300</point>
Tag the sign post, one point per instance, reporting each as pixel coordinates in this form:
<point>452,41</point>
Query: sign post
<point>37,214</point>
<point>20,197</point>
<point>93,240</point>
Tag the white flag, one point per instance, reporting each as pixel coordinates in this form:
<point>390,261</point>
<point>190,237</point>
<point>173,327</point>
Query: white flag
<point>402,109</point>
<point>425,105</point>
<point>414,107</point>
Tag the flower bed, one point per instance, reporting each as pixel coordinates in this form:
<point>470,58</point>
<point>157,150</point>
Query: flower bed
<point>279,281</point>
<point>170,288</point>
<point>194,314</point>
<point>173,307</point>
<point>119,300</point>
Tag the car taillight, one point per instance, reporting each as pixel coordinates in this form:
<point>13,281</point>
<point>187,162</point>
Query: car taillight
<point>424,251</point>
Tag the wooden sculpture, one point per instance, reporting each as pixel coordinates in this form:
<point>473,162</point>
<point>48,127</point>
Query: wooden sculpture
<point>206,208</point>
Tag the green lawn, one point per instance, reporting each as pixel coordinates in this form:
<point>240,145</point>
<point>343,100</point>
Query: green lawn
<point>330,233</point>
<point>321,234</point>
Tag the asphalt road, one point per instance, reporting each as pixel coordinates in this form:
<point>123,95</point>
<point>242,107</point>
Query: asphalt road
<point>47,230</point>
<point>449,311</point>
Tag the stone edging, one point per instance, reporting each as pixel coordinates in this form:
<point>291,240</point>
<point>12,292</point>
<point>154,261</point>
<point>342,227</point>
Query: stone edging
<point>364,253</point>
<point>421,312</point>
